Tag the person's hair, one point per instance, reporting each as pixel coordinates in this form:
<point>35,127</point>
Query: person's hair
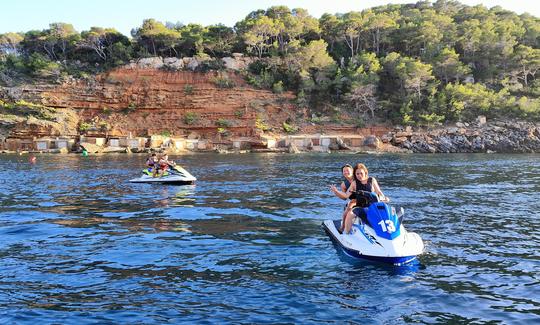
<point>154,154</point>
<point>359,166</point>
<point>346,166</point>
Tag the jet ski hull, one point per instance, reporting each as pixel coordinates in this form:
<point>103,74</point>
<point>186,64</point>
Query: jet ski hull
<point>363,243</point>
<point>162,180</point>
<point>177,176</point>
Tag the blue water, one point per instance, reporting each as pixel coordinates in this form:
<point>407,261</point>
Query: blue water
<point>78,243</point>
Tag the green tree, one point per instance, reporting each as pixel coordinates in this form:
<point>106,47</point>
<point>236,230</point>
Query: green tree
<point>156,38</point>
<point>259,34</point>
<point>219,40</point>
<point>352,29</point>
<point>330,32</point>
<point>193,39</point>
<point>448,67</point>
<point>107,43</point>
<point>412,75</point>
<point>380,25</point>
<point>526,63</point>
<point>61,36</point>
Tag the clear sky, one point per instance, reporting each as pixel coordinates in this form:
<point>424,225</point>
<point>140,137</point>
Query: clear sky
<point>25,15</point>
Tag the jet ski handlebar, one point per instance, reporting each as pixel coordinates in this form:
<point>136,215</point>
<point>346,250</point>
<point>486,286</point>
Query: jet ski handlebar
<point>365,198</point>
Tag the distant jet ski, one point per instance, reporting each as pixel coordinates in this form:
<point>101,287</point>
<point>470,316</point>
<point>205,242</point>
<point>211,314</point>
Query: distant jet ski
<point>380,236</point>
<point>175,175</point>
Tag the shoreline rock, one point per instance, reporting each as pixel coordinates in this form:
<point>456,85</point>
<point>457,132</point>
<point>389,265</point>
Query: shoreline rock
<point>484,137</point>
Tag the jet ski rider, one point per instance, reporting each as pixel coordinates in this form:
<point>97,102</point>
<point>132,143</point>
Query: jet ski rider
<point>347,171</point>
<point>164,164</point>
<point>151,162</point>
<point>361,183</point>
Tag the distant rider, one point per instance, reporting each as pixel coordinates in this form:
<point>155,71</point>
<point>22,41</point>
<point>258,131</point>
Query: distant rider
<point>163,164</point>
<point>151,163</point>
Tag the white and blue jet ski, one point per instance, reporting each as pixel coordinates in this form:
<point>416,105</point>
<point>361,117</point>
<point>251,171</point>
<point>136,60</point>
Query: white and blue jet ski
<point>176,175</point>
<point>378,235</point>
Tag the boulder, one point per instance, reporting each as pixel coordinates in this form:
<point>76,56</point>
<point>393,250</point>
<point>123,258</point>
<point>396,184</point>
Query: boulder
<point>401,134</point>
<point>372,141</point>
<point>444,144</point>
<point>386,138</point>
<point>150,63</point>
<point>90,147</point>
<point>192,63</point>
<point>175,64</point>
<point>234,63</point>
<point>477,145</point>
<point>342,145</point>
<point>193,136</point>
<point>399,140</point>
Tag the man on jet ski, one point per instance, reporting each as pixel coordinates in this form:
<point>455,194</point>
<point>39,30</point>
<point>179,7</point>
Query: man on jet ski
<point>163,164</point>
<point>348,178</point>
<point>361,183</point>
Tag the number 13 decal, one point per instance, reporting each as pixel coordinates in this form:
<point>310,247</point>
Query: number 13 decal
<point>387,226</point>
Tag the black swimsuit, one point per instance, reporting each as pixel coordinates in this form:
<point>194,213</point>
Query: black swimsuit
<point>363,203</point>
<point>365,187</point>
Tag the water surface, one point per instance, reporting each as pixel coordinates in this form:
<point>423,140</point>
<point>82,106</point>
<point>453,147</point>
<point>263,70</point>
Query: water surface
<point>80,243</point>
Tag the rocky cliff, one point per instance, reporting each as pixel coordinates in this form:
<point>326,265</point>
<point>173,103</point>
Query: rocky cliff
<point>145,101</point>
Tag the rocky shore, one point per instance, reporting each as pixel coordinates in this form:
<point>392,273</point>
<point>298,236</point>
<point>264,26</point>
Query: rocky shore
<point>481,136</point>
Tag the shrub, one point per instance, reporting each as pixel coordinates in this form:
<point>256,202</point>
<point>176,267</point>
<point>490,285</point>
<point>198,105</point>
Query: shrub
<point>130,108</point>
<point>211,64</point>
<point>261,125</point>
<point>316,119</point>
<point>277,88</point>
<point>223,131</point>
<point>239,113</point>
<point>41,66</point>
<point>223,81</point>
<point>190,118</point>
<point>166,133</point>
<point>103,126</point>
<point>84,126</point>
<point>431,119</point>
<point>188,89</point>
<point>289,128</point>
<point>223,123</point>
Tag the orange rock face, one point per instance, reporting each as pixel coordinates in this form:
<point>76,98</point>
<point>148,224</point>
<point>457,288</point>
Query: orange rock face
<point>150,101</point>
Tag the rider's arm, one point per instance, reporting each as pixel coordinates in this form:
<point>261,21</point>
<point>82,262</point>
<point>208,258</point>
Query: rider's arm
<point>378,191</point>
<point>341,194</point>
<point>351,189</point>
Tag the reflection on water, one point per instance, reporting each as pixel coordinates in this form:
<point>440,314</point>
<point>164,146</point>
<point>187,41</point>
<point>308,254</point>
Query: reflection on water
<point>79,242</point>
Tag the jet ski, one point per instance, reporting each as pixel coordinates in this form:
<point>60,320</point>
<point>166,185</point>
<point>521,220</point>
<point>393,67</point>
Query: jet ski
<point>175,175</point>
<point>378,235</point>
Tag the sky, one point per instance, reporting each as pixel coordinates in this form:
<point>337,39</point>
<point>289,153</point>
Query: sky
<point>124,15</point>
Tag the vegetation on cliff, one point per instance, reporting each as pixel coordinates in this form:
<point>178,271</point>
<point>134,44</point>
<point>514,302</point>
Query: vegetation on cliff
<point>421,63</point>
